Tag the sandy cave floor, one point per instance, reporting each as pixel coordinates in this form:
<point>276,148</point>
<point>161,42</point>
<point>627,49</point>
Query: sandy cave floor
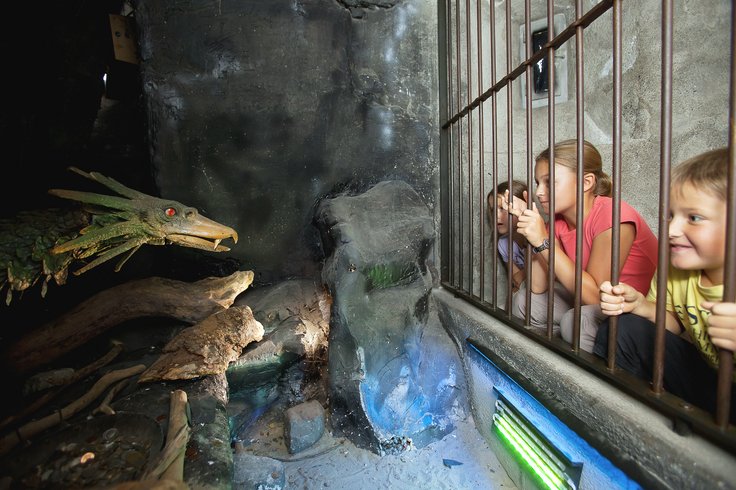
<point>334,462</point>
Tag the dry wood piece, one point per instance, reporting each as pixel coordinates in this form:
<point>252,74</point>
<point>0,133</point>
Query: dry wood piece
<point>104,407</point>
<point>171,461</point>
<point>189,302</point>
<point>32,428</point>
<point>167,473</point>
<point>82,373</point>
<point>206,348</point>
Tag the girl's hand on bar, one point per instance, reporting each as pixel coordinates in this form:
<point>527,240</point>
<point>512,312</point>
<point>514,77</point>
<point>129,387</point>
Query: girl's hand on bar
<point>619,299</point>
<point>531,226</point>
<point>721,324</point>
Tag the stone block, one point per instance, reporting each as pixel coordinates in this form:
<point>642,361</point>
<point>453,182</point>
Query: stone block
<point>304,425</point>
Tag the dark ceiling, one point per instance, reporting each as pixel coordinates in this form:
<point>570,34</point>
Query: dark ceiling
<point>55,59</point>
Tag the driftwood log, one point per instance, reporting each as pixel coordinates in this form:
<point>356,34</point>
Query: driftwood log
<point>32,428</point>
<point>44,399</point>
<point>168,471</point>
<point>207,347</point>
<point>188,302</point>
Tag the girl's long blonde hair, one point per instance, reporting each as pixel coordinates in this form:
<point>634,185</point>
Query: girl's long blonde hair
<point>566,153</point>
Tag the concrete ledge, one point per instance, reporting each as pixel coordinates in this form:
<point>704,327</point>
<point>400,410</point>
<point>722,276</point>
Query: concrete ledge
<point>634,437</point>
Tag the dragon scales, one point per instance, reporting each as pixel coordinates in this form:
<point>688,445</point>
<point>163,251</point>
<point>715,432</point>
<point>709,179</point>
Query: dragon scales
<point>42,245</point>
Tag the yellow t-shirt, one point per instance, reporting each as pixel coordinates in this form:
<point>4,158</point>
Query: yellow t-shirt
<point>684,296</point>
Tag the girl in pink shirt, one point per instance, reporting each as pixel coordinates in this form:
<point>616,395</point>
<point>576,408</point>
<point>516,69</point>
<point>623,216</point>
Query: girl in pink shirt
<point>638,245</point>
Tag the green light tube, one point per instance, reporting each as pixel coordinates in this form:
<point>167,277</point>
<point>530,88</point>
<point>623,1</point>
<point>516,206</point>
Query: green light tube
<point>538,465</point>
<point>524,430</point>
<point>525,457</point>
<point>534,443</point>
<point>529,449</point>
<point>533,453</point>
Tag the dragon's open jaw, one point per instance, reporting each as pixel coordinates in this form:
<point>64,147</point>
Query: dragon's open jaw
<point>202,233</point>
<point>201,243</point>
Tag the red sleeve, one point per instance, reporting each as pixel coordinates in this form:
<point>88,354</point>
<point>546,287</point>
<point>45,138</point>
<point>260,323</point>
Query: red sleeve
<point>600,217</point>
<point>630,215</point>
<point>602,220</point>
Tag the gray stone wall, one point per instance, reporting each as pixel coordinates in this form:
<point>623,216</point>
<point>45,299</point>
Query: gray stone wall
<point>258,109</point>
<point>700,88</point>
<point>699,100</point>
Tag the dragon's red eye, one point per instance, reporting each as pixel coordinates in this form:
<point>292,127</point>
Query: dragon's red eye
<point>170,212</point>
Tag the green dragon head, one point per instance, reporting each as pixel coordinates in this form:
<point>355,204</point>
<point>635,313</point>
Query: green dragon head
<point>109,226</point>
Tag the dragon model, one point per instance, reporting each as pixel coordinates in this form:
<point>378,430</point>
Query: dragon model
<point>45,243</point>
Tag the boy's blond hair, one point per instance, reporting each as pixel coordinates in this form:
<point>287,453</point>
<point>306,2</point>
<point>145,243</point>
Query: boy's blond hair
<point>708,170</point>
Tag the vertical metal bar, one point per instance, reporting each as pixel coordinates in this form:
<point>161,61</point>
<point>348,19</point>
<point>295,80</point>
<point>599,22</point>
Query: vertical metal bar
<point>458,142</point>
<point>451,137</point>
<point>725,370</point>
<point>481,156</point>
<point>616,170</point>
<point>494,143</point>
<point>468,75</point>
<point>551,138</point>
<point>445,140</point>
<point>509,151</point>
<point>444,188</point>
<point>579,218</point>
<point>617,135</point>
<point>665,164</point>
<point>529,147</point>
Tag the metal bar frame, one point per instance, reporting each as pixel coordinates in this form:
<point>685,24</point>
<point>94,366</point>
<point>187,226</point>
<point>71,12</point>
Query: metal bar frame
<point>457,131</point>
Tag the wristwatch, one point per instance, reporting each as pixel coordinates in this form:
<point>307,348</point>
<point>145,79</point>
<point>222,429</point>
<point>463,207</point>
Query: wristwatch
<point>542,246</point>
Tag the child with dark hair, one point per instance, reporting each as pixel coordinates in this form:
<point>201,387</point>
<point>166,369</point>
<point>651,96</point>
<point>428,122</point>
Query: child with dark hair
<point>698,323</point>
<point>510,242</point>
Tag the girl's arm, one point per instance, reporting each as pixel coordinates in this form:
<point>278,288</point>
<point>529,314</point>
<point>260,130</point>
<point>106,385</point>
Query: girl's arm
<point>518,276</point>
<point>599,263</point>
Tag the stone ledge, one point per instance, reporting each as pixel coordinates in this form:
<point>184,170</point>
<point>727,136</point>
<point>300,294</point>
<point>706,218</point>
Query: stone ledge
<point>633,436</point>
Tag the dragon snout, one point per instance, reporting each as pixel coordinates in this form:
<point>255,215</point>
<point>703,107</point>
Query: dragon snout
<point>203,233</point>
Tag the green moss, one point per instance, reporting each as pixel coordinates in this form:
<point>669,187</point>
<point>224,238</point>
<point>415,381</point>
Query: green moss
<point>383,276</point>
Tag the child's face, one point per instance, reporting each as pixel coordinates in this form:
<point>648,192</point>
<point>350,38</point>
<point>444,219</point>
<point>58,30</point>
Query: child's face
<point>501,215</point>
<point>697,232</point>
<point>502,219</point>
<point>565,180</point>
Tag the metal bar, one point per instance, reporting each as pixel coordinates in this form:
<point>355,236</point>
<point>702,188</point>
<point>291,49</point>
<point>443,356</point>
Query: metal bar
<point>665,164</point>
<point>445,142</point>
<point>616,172</point>
<point>510,155</point>
<point>459,147</point>
<point>450,151</point>
<point>494,142</point>
<point>551,138</point>
<point>455,135</point>
<point>579,217</point>
<point>469,77</point>
<point>481,155</point>
<point>725,370</point>
<point>590,16</point>
<point>529,152</point>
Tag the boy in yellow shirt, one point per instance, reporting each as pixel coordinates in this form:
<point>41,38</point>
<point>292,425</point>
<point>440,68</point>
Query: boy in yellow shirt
<point>698,322</point>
